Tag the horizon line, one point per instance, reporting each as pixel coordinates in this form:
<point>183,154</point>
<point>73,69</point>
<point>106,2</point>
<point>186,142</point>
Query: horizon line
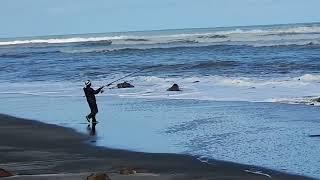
<point>169,29</point>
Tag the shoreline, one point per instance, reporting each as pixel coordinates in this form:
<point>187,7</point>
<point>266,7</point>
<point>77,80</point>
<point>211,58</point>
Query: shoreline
<point>31,147</point>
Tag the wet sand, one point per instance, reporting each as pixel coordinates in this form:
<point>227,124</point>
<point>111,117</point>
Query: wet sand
<point>34,150</point>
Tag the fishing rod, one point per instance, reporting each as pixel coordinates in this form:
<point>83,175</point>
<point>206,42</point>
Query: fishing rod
<point>127,76</point>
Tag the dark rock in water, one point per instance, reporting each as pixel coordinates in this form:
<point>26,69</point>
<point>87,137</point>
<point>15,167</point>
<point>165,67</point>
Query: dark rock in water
<point>4,173</point>
<point>174,87</point>
<point>125,85</point>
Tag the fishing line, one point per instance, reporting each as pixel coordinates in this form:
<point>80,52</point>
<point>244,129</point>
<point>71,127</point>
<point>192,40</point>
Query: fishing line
<point>128,75</point>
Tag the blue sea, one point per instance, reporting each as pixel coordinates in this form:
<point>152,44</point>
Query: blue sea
<point>247,92</point>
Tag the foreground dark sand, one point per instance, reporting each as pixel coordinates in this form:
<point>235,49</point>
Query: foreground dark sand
<point>33,148</point>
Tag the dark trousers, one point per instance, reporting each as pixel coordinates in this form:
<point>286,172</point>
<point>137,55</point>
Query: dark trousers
<point>94,111</point>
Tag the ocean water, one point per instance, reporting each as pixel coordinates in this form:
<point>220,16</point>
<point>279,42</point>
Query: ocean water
<point>248,92</point>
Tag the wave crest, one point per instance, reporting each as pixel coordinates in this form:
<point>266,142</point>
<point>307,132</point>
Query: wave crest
<point>246,35</point>
<point>61,40</point>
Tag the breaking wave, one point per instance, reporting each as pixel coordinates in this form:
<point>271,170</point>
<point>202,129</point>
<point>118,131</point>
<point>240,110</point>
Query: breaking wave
<point>60,40</point>
<point>190,44</point>
<point>291,90</point>
<point>246,35</point>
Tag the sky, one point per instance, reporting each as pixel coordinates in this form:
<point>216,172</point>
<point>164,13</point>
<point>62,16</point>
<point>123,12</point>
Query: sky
<point>20,18</point>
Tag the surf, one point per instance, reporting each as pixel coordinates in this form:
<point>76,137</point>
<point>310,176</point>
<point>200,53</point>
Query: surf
<point>246,35</point>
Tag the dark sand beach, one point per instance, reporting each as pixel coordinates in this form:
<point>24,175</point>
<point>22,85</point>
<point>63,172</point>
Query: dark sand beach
<point>34,150</point>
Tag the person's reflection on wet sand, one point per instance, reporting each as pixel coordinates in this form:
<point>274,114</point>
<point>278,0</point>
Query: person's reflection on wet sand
<point>92,129</point>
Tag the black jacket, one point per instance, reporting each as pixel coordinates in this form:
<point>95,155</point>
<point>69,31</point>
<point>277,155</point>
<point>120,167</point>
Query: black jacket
<point>90,94</point>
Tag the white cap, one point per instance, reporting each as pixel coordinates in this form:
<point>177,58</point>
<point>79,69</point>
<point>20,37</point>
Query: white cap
<point>87,83</point>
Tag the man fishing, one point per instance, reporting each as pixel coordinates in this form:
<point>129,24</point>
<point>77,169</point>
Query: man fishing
<point>91,99</point>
